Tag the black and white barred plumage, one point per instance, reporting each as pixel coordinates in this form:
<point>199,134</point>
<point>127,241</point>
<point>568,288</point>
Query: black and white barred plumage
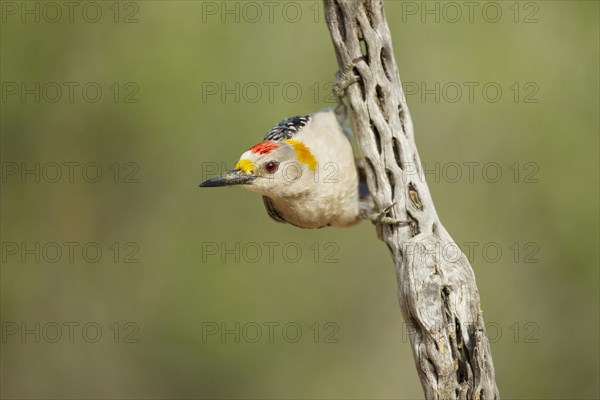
<point>287,128</point>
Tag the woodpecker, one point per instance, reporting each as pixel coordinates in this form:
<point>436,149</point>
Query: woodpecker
<point>305,171</point>
<point>307,175</point>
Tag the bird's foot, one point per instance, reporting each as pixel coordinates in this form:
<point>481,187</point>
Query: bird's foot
<point>381,218</point>
<point>345,79</point>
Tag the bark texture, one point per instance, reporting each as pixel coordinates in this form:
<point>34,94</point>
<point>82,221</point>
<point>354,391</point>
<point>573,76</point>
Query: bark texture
<point>436,285</point>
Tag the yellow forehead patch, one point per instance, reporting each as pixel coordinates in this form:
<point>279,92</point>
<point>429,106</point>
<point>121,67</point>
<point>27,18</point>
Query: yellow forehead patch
<point>245,165</point>
<point>303,153</point>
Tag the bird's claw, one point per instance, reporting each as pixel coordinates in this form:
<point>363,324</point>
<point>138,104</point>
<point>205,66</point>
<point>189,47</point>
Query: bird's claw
<point>381,218</point>
<point>345,79</point>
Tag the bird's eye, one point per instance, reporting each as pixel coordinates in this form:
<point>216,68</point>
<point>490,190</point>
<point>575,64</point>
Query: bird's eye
<point>271,166</point>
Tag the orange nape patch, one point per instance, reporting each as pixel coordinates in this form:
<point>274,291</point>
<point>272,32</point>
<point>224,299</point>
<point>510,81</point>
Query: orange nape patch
<point>303,153</point>
<point>264,147</point>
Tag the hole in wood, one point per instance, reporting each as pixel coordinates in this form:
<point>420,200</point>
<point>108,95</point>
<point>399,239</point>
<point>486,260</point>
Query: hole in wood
<point>376,136</point>
<point>413,224</point>
<point>371,168</point>
<point>397,152</point>
<point>390,176</point>
<point>364,49</point>
<point>384,58</point>
<point>381,101</point>
<point>361,84</point>
<point>414,196</point>
<point>461,373</point>
<point>402,116</point>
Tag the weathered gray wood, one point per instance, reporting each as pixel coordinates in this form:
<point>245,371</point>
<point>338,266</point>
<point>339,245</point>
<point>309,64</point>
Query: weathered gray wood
<point>436,285</point>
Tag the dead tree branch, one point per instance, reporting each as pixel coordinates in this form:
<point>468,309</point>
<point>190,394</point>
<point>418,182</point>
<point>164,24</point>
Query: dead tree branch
<point>437,291</point>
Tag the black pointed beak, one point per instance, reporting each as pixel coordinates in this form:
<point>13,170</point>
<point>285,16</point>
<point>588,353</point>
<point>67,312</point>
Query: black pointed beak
<point>230,178</point>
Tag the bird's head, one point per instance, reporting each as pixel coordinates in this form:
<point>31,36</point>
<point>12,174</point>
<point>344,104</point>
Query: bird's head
<point>275,168</point>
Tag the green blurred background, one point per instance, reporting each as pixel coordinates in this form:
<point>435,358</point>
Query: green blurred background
<point>164,122</point>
